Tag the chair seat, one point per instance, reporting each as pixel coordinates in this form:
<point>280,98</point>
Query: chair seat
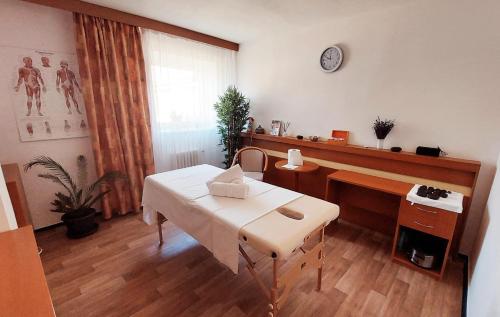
<point>255,175</point>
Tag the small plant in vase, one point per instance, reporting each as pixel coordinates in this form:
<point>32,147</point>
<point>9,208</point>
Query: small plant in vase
<point>285,125</point>
<point>382,129</point>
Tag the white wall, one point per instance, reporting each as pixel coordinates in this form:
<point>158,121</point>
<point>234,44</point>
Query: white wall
<point>31,26</point>
<point>434,66</point>
<point>484,286</point>
<point>7,217</point>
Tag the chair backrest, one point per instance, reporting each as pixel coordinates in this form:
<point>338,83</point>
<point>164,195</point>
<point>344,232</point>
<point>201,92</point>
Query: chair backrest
<point>251,159</point>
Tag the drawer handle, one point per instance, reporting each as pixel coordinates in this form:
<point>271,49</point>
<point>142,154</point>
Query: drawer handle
<point>429,211</point>
<point>421,224</point>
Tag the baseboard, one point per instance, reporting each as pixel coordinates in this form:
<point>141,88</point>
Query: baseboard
<point>49,227</point>
<point>465,283</point>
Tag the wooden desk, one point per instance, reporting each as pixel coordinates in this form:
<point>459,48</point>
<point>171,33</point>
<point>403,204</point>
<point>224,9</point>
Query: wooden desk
<point>307,167</point>
<point>377,183</point>
<point>391,213</point>
<point>23,288</point>
<point>455,174</point>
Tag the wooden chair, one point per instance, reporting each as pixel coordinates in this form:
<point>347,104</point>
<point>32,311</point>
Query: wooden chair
<point>253,161</point>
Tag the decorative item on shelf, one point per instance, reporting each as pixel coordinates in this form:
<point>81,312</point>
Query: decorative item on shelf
<point>295,157</point>
<point>285,125</point>
<point>232,114</point>
<point>339,137</point>
<point>76,203</point>
<point>250,123</point>
<point>276,127</point>
<point>430,151</point>
<point>382,129</point>
<point>396,149</point>
<point>300,137</point>
<point>260,130</point>
<point>314,138</point>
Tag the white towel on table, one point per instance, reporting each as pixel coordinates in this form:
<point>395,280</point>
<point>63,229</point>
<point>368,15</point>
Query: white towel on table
<point>232,175</point>
<point>233,190</point>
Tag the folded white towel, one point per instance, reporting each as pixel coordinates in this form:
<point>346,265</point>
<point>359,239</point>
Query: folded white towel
<point>233,190</point>
<point>232,175</point>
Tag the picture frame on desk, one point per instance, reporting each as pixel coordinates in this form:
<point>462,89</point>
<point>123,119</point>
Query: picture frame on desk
<point>275,127</point>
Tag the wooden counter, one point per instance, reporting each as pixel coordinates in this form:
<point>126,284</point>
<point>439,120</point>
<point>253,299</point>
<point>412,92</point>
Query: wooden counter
<point>23,288</point>
<point>449,173</point>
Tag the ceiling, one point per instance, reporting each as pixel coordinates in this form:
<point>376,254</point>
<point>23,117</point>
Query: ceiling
<point>243,20</point>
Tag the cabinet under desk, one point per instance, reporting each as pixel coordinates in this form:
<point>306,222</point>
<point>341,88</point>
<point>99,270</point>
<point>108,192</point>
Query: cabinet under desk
<point>380,204</point>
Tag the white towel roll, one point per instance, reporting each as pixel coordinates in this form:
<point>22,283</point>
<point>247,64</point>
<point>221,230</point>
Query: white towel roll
<point>295,157</point>
<point>233,190</point>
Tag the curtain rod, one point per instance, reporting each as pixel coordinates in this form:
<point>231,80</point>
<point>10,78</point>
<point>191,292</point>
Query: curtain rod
<point>136,20</point>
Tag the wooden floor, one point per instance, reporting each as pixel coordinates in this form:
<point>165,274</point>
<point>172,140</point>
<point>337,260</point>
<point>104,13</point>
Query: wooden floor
<point>121,271</point>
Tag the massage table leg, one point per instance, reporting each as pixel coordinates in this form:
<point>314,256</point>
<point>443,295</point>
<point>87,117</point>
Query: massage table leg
<point>321,258</point>
<point>274,290</point>
<point>160,219</point>
<point>313,257</point>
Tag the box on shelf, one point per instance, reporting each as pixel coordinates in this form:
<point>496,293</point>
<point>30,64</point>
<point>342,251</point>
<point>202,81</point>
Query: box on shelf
<point>339,137</point>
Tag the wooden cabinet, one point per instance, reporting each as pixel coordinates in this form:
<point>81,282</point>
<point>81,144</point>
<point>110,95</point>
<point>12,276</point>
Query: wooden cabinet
<point>430,220</point>
<point>438,225</point>
<point>23,288</point>
<point>15,188</point>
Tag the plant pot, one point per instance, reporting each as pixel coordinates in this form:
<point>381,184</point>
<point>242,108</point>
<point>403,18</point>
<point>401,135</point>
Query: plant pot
<point>80,224</point>
<point>380,144</point>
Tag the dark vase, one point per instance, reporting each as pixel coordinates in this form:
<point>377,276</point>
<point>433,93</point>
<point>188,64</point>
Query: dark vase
<point>80,223</point>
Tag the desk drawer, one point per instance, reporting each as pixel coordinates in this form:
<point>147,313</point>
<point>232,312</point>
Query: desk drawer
<point>430,220</point>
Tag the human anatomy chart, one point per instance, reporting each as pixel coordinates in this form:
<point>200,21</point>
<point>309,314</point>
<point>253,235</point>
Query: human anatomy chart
<point>46,95</point>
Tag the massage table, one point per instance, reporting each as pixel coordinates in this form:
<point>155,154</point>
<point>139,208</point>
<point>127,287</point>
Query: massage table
<point>277,222</point>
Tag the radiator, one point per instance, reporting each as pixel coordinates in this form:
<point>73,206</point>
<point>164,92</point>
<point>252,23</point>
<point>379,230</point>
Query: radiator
<point>187,159</point>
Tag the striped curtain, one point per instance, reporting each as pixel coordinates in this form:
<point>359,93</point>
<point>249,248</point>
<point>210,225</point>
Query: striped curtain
<point>114,89</point>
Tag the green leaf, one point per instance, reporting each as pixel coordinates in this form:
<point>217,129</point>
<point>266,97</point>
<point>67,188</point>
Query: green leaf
<point>55,167</point>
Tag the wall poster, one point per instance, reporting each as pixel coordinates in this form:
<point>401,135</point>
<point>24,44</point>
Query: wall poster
<point>46,95</point>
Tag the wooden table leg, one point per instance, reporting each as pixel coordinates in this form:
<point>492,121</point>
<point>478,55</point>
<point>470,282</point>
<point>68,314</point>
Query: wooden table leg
<point>296,182</point>
<point>321,259</point>
<point>160,219</point>
<point>273,306</point>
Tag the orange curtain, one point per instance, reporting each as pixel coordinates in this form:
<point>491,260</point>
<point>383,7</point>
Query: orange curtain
<point>114,89</point>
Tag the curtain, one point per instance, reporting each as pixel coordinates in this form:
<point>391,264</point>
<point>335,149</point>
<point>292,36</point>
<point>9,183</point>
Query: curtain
<point>185,79</point>
<point>114,89</point>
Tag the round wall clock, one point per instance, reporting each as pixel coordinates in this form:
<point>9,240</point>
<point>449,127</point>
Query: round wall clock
<point>331,59</point>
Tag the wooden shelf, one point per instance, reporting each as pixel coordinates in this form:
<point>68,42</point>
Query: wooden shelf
<point>446,162</point>
<point>372,182</point>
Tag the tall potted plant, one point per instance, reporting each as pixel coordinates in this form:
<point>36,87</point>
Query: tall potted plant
<point>232,115</point>
<point>77,199</point>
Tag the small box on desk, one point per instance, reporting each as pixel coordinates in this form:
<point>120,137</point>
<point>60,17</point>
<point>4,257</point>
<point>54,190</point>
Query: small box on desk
<point>339,137</point>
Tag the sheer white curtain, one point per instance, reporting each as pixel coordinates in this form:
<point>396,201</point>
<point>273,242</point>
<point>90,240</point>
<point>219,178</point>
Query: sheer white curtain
<point>185,79</point>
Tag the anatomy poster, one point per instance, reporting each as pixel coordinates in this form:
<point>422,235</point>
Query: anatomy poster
<point>46,95</point>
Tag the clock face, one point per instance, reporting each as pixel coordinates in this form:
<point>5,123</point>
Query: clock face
<point>331,59</point>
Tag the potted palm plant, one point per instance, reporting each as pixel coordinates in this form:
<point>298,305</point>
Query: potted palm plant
<point>78,198</point>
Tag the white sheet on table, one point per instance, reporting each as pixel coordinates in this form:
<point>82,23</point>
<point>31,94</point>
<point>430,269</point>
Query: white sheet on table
<point>214,221</point>
<point>454,201</point>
